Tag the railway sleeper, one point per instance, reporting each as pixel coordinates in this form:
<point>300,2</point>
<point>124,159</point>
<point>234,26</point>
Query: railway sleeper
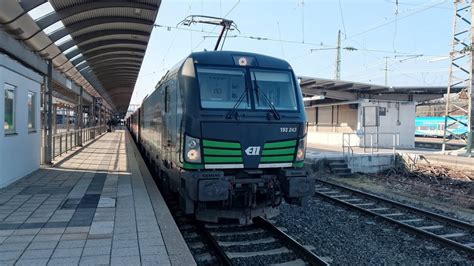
<point>249,232</point>
<point>394,214</point>
<point>297,262</point>
<point>430,227</point>
<point>272,252</point>
<point>453,235</point>
<point>247,242</point>
<point>411,220</point>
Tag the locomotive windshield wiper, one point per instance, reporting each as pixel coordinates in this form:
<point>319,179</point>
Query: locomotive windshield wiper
<point>270,104</point>
<point>236,105</point>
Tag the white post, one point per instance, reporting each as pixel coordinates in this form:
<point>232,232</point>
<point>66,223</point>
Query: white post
<point>371,143</point>
<point>343,144</point>
<point>394,142</point>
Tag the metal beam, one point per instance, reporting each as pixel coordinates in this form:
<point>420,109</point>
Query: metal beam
<point>19,51</point>
<point>120,73</point>
<point>117,44</point>
<point>461,71</point>
<point>106,76</point>
<point>26,6</point>
<point>115,62</point>
<point>106,51</point>
<point>340,95</point>
<point>70,29</point>
<point>121,82</point>
<point>49,116</point>
<point>62,14</point>
<point>341,86</point>
<point>113,34</point>
<point>122,57</point>
<point>80,118</point>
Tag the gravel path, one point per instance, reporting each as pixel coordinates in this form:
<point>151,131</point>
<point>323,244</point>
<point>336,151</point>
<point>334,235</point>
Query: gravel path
<point>346,237</point>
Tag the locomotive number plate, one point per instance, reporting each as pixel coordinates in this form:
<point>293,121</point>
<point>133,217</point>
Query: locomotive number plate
<point>288,129</point>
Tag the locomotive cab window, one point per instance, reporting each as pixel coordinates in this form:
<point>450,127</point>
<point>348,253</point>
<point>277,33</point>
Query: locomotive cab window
<point>274,87</point>
<point>222,88</point>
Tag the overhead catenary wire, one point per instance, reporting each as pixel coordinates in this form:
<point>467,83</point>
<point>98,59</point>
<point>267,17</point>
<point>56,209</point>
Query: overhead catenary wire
<point>314,44</point>
<point>342,19</point>
<point>396,27</point>
<point>413,4</point>
<point>279,37</point>
<point>397,19</point>
<point>264,38</point>
<point>302,20</point>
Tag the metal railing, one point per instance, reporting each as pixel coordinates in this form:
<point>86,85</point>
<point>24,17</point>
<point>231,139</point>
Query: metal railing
<point>66,141</point>
<point>373,142</point>
<point>350,150</point>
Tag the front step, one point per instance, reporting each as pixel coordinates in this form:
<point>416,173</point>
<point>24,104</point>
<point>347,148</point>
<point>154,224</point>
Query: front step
<point>338,167</point>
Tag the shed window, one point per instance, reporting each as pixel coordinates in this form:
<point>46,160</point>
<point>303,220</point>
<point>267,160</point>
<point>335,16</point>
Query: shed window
<point>31,111</point>
<point>9,124</point>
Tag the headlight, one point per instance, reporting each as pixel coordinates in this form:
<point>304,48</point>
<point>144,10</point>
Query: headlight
<point>192,155</point>
<point>192,150</point>
<point>193,144</point>
<point>300,153</point>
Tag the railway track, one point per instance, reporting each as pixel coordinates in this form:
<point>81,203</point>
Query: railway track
<point>261,243</point>
<point>448,231</point>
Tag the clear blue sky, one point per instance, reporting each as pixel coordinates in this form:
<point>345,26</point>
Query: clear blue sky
<point>372,26</point>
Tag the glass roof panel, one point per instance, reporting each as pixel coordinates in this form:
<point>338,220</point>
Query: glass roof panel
<point>70,49</point>
<point>63,40</point>
<point>56,26</point>
<point>41,11</point>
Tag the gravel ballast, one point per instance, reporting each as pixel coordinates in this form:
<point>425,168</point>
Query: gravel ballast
<point>343,236</point>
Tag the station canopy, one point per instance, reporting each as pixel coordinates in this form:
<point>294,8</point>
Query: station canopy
<point>99,45</point>
<point>320,90</point>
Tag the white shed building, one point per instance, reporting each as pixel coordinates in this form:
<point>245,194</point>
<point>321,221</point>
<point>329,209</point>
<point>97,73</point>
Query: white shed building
<point>363,114</point>
<point>20,135</point>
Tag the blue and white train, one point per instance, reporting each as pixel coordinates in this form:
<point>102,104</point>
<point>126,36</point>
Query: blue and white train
<point>433,126</point>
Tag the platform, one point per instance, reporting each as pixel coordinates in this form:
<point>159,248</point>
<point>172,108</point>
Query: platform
<point>99,206</point>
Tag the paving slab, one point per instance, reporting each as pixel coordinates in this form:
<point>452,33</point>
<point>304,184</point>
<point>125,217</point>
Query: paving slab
<point>98,206</point>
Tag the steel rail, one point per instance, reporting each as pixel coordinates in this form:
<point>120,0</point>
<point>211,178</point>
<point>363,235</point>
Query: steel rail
<point>221,254</point>
<point>286,240</point>
<point>295,246</point>
<point>414,210</point>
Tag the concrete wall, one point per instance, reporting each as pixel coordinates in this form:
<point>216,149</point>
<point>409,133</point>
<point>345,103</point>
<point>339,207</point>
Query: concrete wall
<point>359,163</point>
<point>19,152</point>
<point>370,164</point>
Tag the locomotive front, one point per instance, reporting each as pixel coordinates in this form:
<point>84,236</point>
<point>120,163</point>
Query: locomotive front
<point>244,137</point>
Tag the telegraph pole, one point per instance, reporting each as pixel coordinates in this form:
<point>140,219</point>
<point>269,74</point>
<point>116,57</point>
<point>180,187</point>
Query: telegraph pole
<point>337,73</point>
<point>386,71</point>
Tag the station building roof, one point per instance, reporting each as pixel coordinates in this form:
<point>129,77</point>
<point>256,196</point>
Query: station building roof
<point>99,45</point>
<point>339,90</point>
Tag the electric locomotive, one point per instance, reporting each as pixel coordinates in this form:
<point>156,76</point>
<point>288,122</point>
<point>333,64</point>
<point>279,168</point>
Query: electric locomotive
<point>227,132</point>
